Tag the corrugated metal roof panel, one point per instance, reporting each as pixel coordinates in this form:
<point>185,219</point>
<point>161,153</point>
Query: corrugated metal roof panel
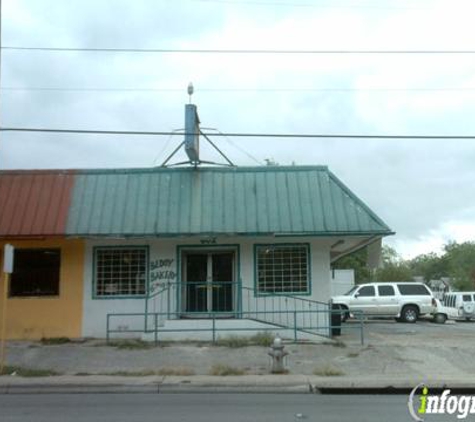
<point>34,203</point>
<point>243,200</point>
<point>187,201</point>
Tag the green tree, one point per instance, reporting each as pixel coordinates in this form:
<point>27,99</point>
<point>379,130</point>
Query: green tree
<point>430,266</point>
<point>356,261</point>
<point>461,264</point>
<point>394,268</point>
<point>398,271</point>
<point>389,255</point>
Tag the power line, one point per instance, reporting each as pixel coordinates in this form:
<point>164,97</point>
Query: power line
<point>229,51</point>
<point>151,90</point>
<point>231,142</point>
<point>309,5</point>
<point>235,134</point>
<point>60,89</point>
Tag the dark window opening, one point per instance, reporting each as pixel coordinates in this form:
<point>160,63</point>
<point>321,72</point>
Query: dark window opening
<point>35,272</point>
<point>413,290</point>
<point>386,290</point>
<point>366,291</point>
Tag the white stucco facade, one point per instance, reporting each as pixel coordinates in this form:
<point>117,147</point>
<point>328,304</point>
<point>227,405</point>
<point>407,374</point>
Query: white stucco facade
<point>342,281</point>
<point>165,268</point>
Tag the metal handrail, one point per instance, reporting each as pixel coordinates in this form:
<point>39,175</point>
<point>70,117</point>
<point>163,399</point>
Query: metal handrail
<point>295,327</point>
<point>285,295</point>
<point>309,311</point>
<point>167,286</point>
<point>286,311</point>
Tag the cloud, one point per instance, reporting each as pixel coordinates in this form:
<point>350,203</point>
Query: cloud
<point>434,240</point>
<point>422,189</point>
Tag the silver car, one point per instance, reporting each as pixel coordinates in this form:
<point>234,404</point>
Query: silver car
<point>405,301</point>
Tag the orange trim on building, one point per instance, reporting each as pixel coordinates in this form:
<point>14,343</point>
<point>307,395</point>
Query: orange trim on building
<point>46,317</point>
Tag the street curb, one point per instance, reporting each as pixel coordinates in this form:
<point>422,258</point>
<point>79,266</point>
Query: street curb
<point>78,389</point>
<point>242,389</point>
<point>273,384</point>
<point>391,390</point>
<point>204,389</point>
<point>156,388</point>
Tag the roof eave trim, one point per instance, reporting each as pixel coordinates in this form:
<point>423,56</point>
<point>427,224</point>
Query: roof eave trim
<point>228,234</point>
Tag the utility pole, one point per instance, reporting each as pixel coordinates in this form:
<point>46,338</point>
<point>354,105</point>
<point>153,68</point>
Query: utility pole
<point>8,254</point>
<point>1,62</point>
<point>3,333</point>
<point>6,276</point>
<point>1,93</point>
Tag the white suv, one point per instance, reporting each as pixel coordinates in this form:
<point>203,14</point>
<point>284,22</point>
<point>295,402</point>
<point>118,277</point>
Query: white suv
<point>403,300</point>
<point>456,306</point>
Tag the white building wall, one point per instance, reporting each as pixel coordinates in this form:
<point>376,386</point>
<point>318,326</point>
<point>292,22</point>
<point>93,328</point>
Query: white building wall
<point>342,281</point>
<point>163,268</point>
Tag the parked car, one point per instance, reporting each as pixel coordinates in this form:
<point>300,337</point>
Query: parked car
<point>456,306</point>
<point>404,301</point>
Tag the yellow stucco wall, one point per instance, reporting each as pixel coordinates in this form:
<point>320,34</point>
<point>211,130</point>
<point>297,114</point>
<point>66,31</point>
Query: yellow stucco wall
<point>61,316</point>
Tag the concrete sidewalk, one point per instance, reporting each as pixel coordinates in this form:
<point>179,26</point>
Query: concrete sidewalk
<point>332,359</point>
<point>92,366</point>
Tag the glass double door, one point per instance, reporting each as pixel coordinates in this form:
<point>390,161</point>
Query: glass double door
<point>208,282</point>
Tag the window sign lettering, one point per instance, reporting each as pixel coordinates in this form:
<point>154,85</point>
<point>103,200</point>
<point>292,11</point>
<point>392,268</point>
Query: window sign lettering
<point>161,273</point>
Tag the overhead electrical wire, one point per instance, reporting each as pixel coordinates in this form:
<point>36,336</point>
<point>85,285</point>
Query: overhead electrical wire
<point>234,134</point>
<point>165,146</point>
<point>232,143</point>
<point>151,90</point>
<point>309,5</point>
<point>231,51</point>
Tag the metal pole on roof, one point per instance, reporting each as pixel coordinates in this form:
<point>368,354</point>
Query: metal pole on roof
<point>217,149</point>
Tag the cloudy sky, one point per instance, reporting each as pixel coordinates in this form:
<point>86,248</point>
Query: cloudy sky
<point>423,189</point>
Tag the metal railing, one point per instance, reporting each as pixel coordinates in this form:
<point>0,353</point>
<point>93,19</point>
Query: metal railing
<point>162,299</point>
<point>280,309</point>
<point>294,326</point>
<point>211,296</point>
<point>192,297</point>
<point>214,301</point>
<point>204,299</point>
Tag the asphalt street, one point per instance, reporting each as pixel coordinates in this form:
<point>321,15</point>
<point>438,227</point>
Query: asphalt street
<point>206,408</point>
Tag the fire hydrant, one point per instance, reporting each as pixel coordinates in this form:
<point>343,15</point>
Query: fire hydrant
<point>277,353</point>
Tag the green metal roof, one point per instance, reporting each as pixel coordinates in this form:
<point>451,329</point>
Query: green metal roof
<point>217,201</point>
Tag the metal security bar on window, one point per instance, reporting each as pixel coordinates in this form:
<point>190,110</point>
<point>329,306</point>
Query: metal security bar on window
<point>121,272</point>
<point>282,269</point>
